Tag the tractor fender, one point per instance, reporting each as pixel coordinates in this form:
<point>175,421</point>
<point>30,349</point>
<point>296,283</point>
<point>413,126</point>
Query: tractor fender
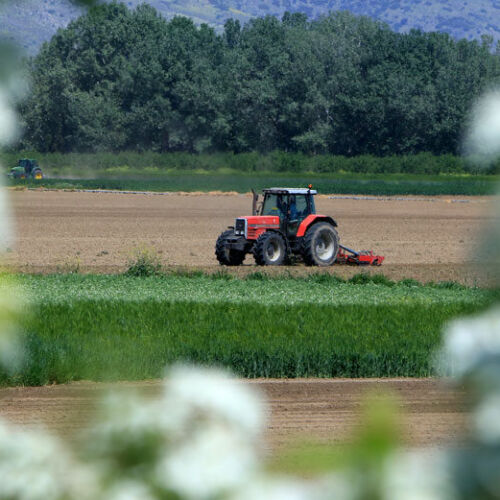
<point>313,219</point>
<point>279,231</point>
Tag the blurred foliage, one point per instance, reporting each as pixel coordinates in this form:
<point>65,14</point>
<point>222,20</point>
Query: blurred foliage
<point>376,435</point>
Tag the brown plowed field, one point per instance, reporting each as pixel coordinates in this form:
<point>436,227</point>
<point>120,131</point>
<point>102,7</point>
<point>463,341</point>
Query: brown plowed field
<point>426,239</point>
<point>316,409</point>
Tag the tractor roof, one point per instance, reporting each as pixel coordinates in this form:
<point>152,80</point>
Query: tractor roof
<point>278,190</point>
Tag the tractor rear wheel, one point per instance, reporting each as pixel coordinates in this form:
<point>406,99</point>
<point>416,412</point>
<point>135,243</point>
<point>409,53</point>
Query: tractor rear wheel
<point>321,245</point>
<point>225,255</point>
<point>37,174</point>
<point>270,249</point>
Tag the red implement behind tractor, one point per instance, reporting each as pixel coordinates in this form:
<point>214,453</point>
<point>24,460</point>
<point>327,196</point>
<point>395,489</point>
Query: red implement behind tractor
<point>287,224</point>
<point>363,258</point>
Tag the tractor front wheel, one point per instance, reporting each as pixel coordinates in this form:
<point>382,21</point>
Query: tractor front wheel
<point>321,245</point>
<point>226,255</point>
<point>270,249</point>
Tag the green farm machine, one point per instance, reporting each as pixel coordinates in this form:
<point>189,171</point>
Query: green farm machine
<point>26,169</point>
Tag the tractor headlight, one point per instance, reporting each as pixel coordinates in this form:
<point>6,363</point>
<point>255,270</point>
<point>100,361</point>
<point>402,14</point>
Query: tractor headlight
<point>240,228</point>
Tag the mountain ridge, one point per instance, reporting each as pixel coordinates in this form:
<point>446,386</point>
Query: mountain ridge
<point>30,23</point>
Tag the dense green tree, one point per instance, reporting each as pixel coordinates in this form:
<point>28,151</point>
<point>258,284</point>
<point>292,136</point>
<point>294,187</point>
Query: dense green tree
<point>118,79</point>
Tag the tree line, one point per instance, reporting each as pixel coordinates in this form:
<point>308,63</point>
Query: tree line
<point>118,79</point>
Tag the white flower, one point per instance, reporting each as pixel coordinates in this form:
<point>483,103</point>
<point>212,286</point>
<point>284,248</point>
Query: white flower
<point>208,394</point>
<point>484,133</point>
<point>198,440</point>
<point>8,119</point>
<point>214,423</point>
<point>468,341</point>
<point>127,414</point>
<point>6,236</point>
<point>128,490</point>
<point>417,475</point>
<point>283,489</point>
<point>34,466</point>
<point>338,485</point>
<point>11,349</point>
<point>212,462</point>
<point>8,132</point>
<point>129,433</point>
<point>486,420</point>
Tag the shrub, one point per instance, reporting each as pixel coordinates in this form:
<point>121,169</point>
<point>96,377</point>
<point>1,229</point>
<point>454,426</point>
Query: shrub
<point>144,262</point>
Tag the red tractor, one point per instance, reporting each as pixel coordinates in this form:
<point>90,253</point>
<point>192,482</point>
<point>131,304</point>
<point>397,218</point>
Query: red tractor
<point>286,224</point>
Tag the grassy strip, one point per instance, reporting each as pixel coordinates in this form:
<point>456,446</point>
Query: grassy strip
<point>258,288</point>
<point>118,327</point>
<point>148,162</point>
<point>368,185</point>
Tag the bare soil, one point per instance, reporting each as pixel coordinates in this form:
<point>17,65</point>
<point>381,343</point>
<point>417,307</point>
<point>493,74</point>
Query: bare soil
<point>324,410</point>
<point>427,239</point>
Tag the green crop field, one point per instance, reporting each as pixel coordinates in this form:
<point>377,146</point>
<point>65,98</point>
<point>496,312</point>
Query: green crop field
<point>368,184</point>
<point>419,174</point>
<point>119,327</point>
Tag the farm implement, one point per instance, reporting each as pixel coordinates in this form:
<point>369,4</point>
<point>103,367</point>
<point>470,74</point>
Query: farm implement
<point>283,225</point>
<point>363,258</point>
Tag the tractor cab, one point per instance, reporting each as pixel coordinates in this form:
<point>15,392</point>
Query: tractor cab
<point>291,205</point>
<point>27,165</point>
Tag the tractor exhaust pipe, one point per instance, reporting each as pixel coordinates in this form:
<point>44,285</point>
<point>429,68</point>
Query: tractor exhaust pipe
<point>255,200</point>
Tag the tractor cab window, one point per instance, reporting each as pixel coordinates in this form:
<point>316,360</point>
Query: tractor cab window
<point>301,207</point>
<point>274,204</point>
<point>298,207</point>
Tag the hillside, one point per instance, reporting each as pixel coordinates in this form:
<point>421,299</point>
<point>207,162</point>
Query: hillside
<point>31,22</point>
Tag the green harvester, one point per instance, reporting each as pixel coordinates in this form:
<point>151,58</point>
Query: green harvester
<point>26,169</point>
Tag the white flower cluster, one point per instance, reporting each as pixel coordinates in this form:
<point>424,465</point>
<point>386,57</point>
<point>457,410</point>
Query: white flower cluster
<point>11,349</point>
<point>35,466</point>
<point>200,440</point>
<point>417,475</point>
<point>483,137</point>
<point>469,342</point>
<point>9,342</point>
<point>472,353</point>
<point>215,423</point>
<point>8,118</point>
<point>11,90</point>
